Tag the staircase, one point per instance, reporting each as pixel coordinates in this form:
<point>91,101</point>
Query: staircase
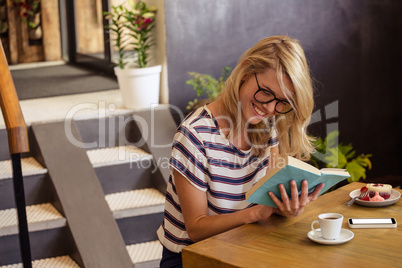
<point>95,199</point>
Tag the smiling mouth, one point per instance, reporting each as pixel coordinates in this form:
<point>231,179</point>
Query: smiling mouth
<point>258,110</point>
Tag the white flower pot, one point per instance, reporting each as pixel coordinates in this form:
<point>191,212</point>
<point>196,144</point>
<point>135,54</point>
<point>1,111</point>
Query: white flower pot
<point>139,86</point>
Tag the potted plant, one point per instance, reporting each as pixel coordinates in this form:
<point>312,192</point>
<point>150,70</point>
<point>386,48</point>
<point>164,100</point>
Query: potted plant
<point>331,154</point>
<point>131,31</point>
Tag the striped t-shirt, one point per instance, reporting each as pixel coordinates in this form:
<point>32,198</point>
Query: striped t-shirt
<point>205,157</point>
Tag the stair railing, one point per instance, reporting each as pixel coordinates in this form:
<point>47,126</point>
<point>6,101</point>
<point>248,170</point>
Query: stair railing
<point>18,143</point>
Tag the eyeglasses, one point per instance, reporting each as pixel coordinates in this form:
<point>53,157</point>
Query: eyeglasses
<point>265,96</point>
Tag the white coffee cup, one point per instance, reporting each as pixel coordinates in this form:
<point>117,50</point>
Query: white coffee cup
<point>330,224</point>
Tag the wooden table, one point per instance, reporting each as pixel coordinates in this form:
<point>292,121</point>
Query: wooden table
<point>283,242</point>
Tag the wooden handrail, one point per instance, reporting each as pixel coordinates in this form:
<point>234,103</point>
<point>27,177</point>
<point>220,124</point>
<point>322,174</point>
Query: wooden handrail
<point>11,109</point>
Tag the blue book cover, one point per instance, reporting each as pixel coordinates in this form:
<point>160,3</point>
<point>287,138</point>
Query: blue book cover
<point>290,169</point>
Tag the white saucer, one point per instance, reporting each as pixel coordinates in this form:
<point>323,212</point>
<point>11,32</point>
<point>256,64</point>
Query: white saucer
<point>344,237</point>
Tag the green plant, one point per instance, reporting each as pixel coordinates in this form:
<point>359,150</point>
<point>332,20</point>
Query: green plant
<point>340,156</point>
<point>205,84</point>
<point>131,29</point>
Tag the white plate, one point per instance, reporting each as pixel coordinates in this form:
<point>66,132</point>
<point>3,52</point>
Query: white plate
<point>344,237</point>
<point>395,195</point>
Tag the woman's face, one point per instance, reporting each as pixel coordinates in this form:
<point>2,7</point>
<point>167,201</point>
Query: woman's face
<point>254,111</point>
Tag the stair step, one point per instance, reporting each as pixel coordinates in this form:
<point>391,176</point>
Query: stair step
<point>76,106</point>
<point>59,262</point>
<point>141,253</point>
<point>116,155</point>
<point>136,202</point>
<point>98,157</point>
<point>29,167</point>
<point>145,252</point>
<point>40,217</point>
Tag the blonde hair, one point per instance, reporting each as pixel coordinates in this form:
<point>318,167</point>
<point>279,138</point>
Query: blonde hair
<point>286,57</point>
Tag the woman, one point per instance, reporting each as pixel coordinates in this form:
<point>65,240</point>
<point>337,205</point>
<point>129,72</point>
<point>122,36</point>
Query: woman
<point>223,148</point>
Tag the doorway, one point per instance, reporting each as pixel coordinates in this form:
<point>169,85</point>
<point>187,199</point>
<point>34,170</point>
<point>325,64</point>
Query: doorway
<point>85,41</point>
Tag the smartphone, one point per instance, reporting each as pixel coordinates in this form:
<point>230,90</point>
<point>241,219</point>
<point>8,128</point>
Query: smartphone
<point>372,223</point>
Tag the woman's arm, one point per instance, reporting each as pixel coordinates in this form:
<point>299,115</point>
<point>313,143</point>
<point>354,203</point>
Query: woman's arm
<point>199,225</point>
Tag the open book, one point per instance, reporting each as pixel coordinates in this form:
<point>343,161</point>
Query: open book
<point>290,168</point>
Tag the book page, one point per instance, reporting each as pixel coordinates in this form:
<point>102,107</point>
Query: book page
<point>337,171</point>
<point>302,165</point>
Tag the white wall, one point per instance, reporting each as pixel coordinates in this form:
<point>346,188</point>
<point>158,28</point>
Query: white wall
<point>160,48</point>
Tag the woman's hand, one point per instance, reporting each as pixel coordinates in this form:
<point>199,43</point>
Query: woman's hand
<point>294,206</point>
<point>260,212</point>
